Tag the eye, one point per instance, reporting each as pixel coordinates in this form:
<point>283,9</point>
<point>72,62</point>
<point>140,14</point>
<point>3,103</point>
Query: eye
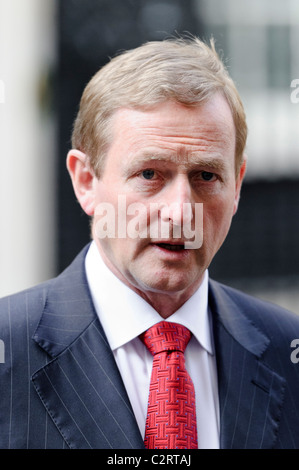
<point>207,176</point>
<point>148,174</point>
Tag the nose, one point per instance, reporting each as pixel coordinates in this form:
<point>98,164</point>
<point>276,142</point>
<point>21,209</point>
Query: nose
<point>178,202</point>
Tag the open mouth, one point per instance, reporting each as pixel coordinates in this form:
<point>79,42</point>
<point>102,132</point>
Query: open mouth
<point>171,247</point>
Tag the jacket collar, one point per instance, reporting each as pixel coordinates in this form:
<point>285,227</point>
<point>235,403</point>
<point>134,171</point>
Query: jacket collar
<point>81,387</point>
<point>251,393</point>
<point>235,318</point>
<point>68,309</point>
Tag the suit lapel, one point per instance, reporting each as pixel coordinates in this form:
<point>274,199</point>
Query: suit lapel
<point>81,387</point>
<point>83,392</point>
<point>250,393</point>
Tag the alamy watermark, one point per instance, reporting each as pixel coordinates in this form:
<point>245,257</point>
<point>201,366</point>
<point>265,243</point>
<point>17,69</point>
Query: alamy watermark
<point>2,352</point>
<point>295,354</point>
<point>2,92</point>
<point>156,221</point>
<point>295,93</point>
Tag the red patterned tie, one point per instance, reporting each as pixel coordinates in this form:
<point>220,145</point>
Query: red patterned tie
<point>171,418</point>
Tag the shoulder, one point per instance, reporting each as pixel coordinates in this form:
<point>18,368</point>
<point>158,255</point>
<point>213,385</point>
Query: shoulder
<point>265,315</point>
<point>28,305</point>
<point>23,307</point>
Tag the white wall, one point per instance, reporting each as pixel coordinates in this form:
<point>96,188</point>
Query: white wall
<point>27,145</point>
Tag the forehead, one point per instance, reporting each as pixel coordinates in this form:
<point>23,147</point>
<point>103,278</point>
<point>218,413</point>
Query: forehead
<point>174,128</point>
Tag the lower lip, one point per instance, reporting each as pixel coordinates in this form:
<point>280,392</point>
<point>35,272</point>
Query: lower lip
<point>173,255</point>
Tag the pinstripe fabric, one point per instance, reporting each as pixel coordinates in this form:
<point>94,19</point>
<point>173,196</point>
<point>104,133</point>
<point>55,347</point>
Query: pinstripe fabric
<point>60,387</point>
<point>85,396</point>
<point>75,398</point>
<point>258,389</point>
<point>20,411</point>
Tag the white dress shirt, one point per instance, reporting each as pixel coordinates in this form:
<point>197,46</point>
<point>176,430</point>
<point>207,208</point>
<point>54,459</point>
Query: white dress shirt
<point>125,315</point>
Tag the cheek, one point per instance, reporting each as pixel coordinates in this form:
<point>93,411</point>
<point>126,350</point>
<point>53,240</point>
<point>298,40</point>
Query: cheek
<point>217,220</point>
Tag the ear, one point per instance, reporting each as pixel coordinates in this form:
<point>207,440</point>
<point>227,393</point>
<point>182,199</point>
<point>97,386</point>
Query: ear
<point>239,181</point>
<point>82,178</point>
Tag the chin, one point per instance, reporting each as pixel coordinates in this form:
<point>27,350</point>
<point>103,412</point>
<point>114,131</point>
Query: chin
<point>165,283</point>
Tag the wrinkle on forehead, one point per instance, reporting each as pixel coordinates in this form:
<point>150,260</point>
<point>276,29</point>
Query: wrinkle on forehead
<point>183,144</point>
<point>218,118</point>
<point>184,159</point>
<point>163,133</point>
<point>210,130</point>
<point>201,137</point>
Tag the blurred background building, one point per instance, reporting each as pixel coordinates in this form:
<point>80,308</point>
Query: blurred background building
<point>49,51</point>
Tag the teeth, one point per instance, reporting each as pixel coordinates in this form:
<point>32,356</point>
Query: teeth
<point>171,247</point>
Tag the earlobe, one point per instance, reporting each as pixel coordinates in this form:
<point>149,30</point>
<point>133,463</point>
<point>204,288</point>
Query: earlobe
<point>82,179</point>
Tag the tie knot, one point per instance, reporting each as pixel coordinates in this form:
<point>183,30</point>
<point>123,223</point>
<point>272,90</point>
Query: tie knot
<point>166,336</point>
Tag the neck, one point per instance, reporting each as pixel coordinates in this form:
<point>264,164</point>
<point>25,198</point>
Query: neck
<point>166,304</point>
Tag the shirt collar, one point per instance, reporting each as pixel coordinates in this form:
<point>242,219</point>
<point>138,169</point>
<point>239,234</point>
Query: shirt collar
<point>125,315</point>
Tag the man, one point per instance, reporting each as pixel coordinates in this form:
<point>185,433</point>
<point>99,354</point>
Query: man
<point>160,134</point>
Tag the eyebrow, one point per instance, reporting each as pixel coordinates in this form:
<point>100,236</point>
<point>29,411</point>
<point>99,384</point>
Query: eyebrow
<point>193,159</point>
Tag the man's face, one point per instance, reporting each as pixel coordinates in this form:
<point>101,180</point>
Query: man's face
<point>169,154</point>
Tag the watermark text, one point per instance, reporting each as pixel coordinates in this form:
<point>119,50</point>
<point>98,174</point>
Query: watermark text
<point>2,352</point>
<point>157,221</point>
<point>295,352</point>
<point>295,93</point>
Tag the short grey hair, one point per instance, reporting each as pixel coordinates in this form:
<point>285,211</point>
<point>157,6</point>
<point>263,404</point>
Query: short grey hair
<point>187,71</point>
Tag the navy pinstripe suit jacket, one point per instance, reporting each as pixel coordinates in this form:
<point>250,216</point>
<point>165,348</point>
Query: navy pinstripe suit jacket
<point>60,386</point>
